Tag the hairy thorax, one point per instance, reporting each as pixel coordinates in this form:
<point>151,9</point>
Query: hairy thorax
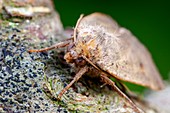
<point>87,47</point>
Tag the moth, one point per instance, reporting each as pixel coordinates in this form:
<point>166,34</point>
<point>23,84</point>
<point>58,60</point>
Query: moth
<point>102,48</point>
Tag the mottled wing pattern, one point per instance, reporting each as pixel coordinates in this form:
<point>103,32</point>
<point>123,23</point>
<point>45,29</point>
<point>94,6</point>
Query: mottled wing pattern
<point>116,51</point>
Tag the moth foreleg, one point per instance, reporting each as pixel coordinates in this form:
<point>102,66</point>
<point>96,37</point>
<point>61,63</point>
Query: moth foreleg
<point>55,46</point>
<point>76,78</point>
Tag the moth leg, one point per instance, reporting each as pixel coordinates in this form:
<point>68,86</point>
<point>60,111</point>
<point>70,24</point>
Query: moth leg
<point>55,46</point>
<point>85,58</point>
<point>76,78</point>
<point>129,93</point>
<point>111,83</point>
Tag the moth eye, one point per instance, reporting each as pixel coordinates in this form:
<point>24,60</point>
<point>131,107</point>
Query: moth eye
<point>80,61</point>
<point>73,53</point>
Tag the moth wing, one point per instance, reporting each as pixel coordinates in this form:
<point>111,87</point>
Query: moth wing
<point>118,52</point>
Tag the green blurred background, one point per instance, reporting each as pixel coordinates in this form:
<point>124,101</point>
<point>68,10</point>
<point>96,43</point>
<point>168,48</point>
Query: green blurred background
<point>148,20</point>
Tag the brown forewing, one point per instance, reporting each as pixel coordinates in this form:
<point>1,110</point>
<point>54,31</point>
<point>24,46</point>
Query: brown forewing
<point>115,50</point>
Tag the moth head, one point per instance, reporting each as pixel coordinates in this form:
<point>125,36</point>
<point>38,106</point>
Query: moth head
<point>74,56</point>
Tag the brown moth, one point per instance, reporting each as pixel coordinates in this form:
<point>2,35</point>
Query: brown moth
<point>102,48</point>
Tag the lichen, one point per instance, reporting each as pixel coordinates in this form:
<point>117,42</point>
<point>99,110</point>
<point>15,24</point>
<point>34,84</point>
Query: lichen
<point>20,75</point>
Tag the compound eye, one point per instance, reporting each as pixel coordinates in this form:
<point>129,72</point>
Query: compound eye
<point>80,61</point>
<point>73,54</point>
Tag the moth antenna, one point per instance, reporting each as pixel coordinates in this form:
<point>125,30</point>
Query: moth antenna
<point>75,29</point>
